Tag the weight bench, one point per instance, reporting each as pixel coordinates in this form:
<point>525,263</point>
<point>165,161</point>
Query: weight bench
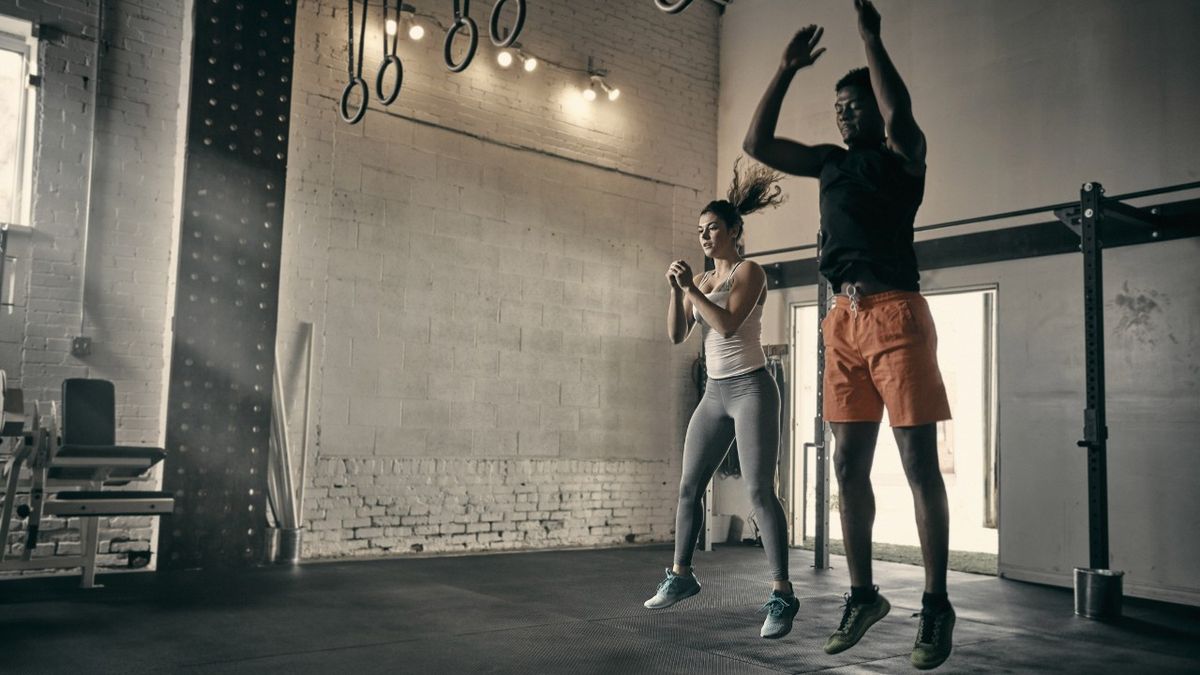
<point>69,475</point>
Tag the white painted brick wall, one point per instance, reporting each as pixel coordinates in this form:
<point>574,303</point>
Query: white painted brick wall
<point>483,264</point>
<point>132,211</point>
<point>375,506</point>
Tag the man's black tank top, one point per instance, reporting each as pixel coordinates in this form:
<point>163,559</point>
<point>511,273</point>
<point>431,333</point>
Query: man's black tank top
<point>868,204</point>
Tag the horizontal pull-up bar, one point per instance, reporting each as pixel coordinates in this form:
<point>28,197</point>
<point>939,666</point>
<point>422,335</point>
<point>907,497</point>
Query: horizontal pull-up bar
<point>1003,216</point>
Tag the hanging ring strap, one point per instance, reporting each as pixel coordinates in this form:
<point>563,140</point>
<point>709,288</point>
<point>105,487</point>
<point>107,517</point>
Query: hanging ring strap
<point>356,80</point>
<point>461,21</point>
<point>390,58</point>
<point>502,38</point>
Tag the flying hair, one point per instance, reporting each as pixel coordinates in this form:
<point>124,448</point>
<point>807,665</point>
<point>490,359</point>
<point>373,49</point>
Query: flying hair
<point>754,188</point>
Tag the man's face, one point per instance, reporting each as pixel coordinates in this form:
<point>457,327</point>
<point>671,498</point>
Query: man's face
<point>858,116</point>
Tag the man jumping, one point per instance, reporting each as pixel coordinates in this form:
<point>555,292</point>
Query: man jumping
<point>880,341</point>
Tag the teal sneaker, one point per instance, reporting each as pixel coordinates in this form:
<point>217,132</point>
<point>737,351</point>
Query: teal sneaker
<point>780,610</point>
<point>856,619</point>
<point>674,588</point>
<point>935,638</point>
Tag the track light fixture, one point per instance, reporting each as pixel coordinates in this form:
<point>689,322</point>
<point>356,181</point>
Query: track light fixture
<point>612,92</point>
<point>506,56</point>
<point>529,63</point>
<point>408,22</point>
<point>597,83</point>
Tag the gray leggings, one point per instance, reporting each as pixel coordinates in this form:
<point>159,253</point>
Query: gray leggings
<point>745,407</point>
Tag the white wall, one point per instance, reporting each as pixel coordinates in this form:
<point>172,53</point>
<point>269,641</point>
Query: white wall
<point>483,262</point>
<point>1022,102</point>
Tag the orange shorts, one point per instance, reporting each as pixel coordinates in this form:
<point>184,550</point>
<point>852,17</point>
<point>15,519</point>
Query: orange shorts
<point>884,353</point>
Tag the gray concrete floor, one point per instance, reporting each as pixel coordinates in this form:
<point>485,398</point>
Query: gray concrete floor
<point>553,612</point>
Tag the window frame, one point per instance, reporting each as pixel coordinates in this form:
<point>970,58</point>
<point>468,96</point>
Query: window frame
<point>20,36</point>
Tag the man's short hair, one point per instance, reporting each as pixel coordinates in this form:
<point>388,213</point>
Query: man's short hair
<point>859,77</point>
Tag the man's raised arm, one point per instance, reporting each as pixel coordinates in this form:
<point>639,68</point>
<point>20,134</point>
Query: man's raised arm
<point>895,105</point>
<point>761,142</point>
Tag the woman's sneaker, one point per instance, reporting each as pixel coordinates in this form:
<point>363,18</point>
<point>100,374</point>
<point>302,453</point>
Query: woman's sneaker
<point>935,638</point>
<point>780,609</point>
<point>674,588</point>
<point>856,619</point>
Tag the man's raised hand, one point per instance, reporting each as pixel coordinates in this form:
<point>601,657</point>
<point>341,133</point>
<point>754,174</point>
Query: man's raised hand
<point>802,51</point>
<point>868,19</point>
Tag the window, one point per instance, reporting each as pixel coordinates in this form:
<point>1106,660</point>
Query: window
<point>18,105</point>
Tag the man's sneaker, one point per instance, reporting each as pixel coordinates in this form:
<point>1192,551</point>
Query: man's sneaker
<point>780,609</point>
<point>856,619</point>
<point>935,638</point>
<point>674,588</point>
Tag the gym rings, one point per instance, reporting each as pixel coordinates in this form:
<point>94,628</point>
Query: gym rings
<point>388,60</point>
<point>462,21</point>
<point>354,83</point>
<point>672,7</point>
<point>518,24</point>
<point>357,83</point>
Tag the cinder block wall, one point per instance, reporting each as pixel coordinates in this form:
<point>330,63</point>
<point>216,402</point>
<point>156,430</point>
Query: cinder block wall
<point>128,255</point>
<point>483,264</point>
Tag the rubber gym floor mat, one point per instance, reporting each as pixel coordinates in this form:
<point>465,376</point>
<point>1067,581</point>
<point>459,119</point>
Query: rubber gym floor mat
<point>735,632</point>
<point>545,612</point>
<point>1022,655</point>
<point>1144,625</point>
<point>617,581</point>
<point>576,648</point>
<point>617,593</point>
<point>124,629</point>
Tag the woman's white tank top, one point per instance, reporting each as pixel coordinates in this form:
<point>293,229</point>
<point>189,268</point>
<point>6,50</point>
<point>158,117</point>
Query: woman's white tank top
<point>739,353</point>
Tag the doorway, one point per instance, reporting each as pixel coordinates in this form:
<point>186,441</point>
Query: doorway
<point>965,320</point>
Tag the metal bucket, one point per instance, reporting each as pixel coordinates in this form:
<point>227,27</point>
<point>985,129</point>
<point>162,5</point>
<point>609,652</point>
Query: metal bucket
<point>289,546</point>
<point>1098,593</point>
<point>270,544</point>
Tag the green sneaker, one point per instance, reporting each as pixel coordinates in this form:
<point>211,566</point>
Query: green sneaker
<point>674,588</point>
<point>856,619</point>
<point>780,610</point>
<point>935,638</point>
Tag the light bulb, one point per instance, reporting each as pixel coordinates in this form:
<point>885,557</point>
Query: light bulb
<point>417,31</point>
<point>504,58</point>
<point>390,26</point>
<point>530,64</point>
<point>614,94</point>
<point>589,94</point>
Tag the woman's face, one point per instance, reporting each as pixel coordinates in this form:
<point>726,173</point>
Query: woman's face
<point>716,239</point>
